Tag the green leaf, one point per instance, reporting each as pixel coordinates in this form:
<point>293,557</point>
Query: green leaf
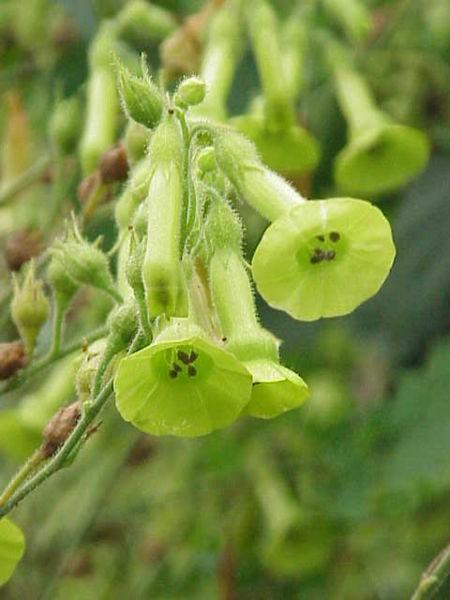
<point>418,465</point>
<point>12,546</point>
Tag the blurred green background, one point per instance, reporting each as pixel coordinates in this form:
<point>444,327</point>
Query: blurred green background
<point>346,498</point>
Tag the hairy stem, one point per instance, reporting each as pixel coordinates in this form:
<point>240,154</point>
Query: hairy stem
<point>433,576</point>
<point>22,474</point>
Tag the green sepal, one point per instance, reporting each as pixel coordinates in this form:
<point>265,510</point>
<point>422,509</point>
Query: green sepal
<point>141,99</point>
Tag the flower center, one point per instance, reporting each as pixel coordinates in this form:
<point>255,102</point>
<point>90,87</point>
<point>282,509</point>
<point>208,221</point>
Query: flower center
<point>322,248</point>
<point>182,361</point>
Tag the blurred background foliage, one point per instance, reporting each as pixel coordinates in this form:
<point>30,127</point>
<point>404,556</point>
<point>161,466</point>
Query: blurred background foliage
<point>346,498</point>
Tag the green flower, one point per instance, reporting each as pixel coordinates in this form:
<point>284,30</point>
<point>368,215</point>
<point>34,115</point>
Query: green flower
<point>182,384</point>
<point>384,158</point>
<point>292,150</point>
<point>323,258</point>
<point>276,389</point>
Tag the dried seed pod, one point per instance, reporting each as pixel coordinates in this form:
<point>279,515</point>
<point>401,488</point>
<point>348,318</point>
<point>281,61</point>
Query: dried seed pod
<point>21,246</point>
<point>12,359</point>
<point>114,164</point>
<point>60,427</point>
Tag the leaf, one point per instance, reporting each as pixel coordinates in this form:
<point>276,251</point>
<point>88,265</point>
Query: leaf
<point>12,546</point>
<point>418,465</point>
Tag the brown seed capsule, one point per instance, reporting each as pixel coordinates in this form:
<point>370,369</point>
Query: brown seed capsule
<point>114,164</point>
<point>12,359</point>
<point>21,246</point>
<point>59,428</point>
<point>87,186</point>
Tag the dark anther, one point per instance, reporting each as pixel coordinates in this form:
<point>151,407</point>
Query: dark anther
<point>318,251</point>
<point>192,371</point>
<point>321,238</point>
<point>183,357</point>
<point>170,111</point>
<point>176,367</point>
<point>315,259</point>
<point>193,356</point>
<point>330,255</point>
<point>173,374</point>
<point>224,339</point>
<point>334,236</point>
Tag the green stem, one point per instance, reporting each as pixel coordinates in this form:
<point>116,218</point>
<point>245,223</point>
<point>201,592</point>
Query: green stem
<point>23,473</point>
<point>23,181</point>
<point>266,46</point>
<point>433,576</point>
<point>49,359</point>
<point>58,320</point>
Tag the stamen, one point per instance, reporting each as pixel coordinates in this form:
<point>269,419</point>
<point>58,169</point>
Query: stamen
<point>183,357</point>
<point>192,371</point>
<point>193,356</point>
<point>330,255</point>
<point>176,367</point>
<point>335,236</point>
<point>173,374</point>
<point>321,238</point>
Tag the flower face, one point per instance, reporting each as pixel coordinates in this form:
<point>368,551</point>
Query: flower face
<point>385,158</point>
<point>184,386</point>
<point>323,258</point>
<point>292,150</point>
<point>276,389</point>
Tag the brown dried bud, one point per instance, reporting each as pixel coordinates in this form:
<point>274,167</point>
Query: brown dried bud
<point>12,359</point>
<point>21,246</point>
<point>87,186</point>
<point>114,164</point>
<point>60,427</point>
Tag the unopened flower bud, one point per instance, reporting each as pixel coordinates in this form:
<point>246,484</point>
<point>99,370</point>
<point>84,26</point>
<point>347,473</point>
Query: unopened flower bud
<point>29,308</point>
<point>190,92</point>
<point>84,262</point>
<point>114,164</point>
<point>21,246</point>
<point>59,428</point>
<point>223,227</point>
<point>64,287</point>
<point>122,325</point>
<point>206,160</point>
<point>12,359</point>
<point>141,98</point>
